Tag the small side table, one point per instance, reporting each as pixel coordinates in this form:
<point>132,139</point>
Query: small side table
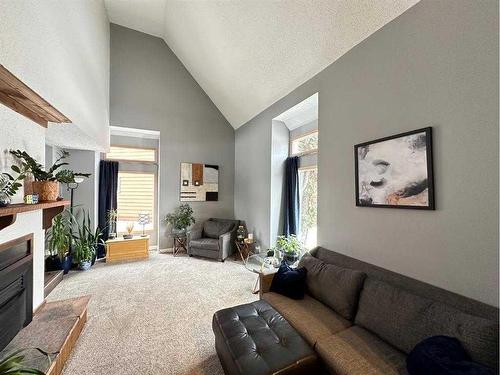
<point>180,243</point>
<point>244,249</point>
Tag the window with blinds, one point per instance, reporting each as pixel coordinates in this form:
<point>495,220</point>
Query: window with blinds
<point>136,195</point>
<point>131,154</point>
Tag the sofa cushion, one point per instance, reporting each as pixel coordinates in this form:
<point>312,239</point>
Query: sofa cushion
<point>308,316</point>
<point>355,351</point>
<point>443,355</point>
<point>414,318</point>
<point>335,286</point>
<point>215,228</point>
<point>290,282</point>
<point>205,243</point>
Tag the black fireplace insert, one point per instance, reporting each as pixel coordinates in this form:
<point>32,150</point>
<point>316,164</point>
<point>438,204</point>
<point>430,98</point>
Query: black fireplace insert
<point>16,287</point>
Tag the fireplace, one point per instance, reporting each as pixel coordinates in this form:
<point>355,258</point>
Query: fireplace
<point>16,287</point>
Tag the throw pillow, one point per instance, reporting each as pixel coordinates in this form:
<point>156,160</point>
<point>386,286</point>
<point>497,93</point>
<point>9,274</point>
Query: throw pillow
<point>289,282</point>
<point>443,355</point>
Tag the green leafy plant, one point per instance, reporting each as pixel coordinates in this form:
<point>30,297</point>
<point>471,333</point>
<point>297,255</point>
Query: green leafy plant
<point>13,364</point>
<point>290,245</point>
<point>85,240</point>
<point>181,218</point>
<point>10,185</point>
<point>59,236</point>
<point>40,174</point>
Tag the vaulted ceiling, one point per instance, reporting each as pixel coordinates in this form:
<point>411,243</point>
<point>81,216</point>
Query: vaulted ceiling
<point>247,54</point>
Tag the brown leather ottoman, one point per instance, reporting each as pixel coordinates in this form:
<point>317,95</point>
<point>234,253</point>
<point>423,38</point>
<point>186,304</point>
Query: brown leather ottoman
<point>254,339</point>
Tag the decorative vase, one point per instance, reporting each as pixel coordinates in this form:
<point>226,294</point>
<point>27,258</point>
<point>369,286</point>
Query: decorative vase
<point>47,191</point>
<point>128,236</point>
<point>4,200</point>
<point>53,263</point>
<point>66,264</point>
<point>85,265</point>
<point>240,234</point>
<point>178,231</point>
<point>290,258</point>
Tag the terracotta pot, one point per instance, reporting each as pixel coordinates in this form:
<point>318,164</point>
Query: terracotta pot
<point>47,191</point>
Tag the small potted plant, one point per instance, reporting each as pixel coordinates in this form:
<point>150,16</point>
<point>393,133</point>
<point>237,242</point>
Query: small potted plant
<point>180,219</point>
<point>46,183</point>
<point>130,229</point>
<point>111,217</point>
<point>10,185</point>
<point>59,242</point>
<point>291,248</point>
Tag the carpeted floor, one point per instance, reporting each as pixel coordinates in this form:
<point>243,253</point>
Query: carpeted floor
<point>153,317</point>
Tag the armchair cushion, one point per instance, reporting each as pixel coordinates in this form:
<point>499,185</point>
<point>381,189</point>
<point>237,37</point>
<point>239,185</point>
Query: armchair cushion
<point>205,243</point>
<point>214,228</point>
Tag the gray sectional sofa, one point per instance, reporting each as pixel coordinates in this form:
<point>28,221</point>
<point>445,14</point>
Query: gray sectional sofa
<point>360,319</point>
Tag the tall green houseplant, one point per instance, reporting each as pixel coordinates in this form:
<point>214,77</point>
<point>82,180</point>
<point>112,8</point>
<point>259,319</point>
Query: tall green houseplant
<point>59,240</point>
<point>181,218</point>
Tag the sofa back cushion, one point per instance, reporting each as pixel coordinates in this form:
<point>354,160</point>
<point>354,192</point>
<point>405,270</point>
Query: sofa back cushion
<point>404,319</point>
<point>335,286</point>
<point>214,228</point>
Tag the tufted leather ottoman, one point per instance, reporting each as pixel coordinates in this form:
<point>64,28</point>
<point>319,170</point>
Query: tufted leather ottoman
<point>255,339</point>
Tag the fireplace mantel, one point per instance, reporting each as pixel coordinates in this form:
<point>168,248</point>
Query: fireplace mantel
<point>8,214</point>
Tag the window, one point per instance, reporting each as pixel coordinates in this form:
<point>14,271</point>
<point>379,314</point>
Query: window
<point>136,194</point>
<point>304,144</point>
<point>131,154</point>
<point>308,195</point>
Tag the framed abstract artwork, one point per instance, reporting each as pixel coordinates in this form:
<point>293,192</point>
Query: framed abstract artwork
<point>396,171</point>
<point>199,182</point>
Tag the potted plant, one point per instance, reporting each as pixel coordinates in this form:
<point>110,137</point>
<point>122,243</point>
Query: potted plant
<point>10,185</point>
<point>85,243</point>
<point>59,242</point>
<point>46,183</point>
<point>130,229</point>
<point>291,248</point>
<point>13,364</point>
<point>180,219</point>
<point>111,216</point>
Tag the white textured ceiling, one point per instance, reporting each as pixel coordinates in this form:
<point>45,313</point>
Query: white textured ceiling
<point>247,54</point>
<point>300,114</point>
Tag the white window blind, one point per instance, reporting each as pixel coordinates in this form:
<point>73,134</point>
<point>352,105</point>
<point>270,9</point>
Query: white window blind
<point>131,154</point>
<point>136,194</point>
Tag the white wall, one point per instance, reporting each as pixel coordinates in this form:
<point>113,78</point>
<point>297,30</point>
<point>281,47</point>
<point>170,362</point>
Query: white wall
<point>61,50</point>
<point>18,132</point>
<point>280,139</point>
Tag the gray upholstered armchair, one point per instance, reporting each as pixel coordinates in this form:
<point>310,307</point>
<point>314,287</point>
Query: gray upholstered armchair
<point>215,239</point>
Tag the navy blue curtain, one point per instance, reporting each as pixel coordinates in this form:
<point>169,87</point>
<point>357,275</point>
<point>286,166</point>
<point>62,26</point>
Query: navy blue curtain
<point>108,189</point>
<point>292,203</point>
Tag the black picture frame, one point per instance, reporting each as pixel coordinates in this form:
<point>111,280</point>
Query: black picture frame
<point>430,170</point>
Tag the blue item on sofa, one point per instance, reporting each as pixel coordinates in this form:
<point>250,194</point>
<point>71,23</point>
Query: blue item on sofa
<point>443,355</point>
<point>290,282</point>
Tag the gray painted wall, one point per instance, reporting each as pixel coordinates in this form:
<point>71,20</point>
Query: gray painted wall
<point>84,161</point>
<point>151,89</point>
<point>437,64</point>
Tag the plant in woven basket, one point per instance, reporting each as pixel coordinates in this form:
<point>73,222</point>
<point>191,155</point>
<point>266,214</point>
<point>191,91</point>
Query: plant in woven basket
<point>46,183</point>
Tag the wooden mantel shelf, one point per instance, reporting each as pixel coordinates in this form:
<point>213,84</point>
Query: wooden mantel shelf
<point>20,98</point>
<point>8,214</point>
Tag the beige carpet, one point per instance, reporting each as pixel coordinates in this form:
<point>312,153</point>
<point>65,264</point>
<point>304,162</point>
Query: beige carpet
<point>155,316</point>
